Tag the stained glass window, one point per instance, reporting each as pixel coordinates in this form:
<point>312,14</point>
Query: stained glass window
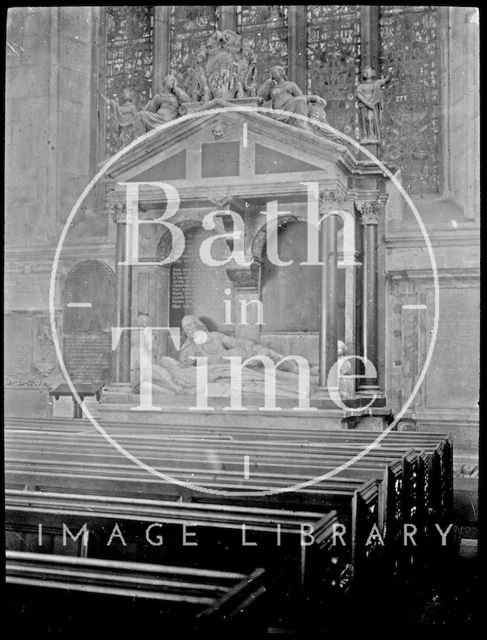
<point>333,60</point>
<point>189,27</point>
<point>264,28</point>
<point>409,45</point>
<point>129,51</point>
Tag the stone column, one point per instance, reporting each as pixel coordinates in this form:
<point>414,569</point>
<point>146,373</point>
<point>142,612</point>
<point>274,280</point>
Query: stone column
<point>328,300</point>
<point>123,300</point>
<point>370,212</point>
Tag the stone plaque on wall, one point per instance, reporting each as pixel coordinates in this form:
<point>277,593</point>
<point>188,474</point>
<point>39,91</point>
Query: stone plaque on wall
<point>87,356</point>
<point>197,288</point>
<point>26,292</point>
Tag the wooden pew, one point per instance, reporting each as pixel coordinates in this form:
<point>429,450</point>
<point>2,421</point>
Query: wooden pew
<point>404,441</point>
<point>299,567</point>
<point>417,503</point>
<point>314,464</point>
<point>357,502</point>
<point>281,459</point>
<point>349,438</point>
<point>139,595</point>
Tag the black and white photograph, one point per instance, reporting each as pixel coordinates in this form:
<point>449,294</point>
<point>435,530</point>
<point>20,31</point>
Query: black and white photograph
<point>241,320</point>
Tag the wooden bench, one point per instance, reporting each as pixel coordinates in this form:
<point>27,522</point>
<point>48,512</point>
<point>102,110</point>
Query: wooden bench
<point>282,459</point>
<point>144,595</point>
<point>357,439</point>
<point>356,501</point>
<point>417,502</point>
<point>300,568</point>
<point>441,488</point>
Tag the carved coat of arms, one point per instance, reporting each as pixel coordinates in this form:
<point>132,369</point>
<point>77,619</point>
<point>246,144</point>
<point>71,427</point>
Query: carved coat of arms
<point>224,69</point>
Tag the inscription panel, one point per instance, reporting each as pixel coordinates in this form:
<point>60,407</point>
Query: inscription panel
<point>197,288</point>
<point>87,356</point>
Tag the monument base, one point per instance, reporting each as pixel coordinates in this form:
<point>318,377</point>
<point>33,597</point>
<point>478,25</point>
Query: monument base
<point>121,405</point>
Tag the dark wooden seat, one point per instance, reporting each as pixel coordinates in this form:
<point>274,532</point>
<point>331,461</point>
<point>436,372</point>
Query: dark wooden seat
<point>299,567</point>
<point>196,599</point>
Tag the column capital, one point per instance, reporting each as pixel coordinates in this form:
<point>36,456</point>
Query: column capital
<point>370,211</point>
<point>331,200</point>
<point>118,212</point>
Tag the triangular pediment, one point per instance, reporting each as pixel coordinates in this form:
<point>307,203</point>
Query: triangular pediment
<point>226,143</point>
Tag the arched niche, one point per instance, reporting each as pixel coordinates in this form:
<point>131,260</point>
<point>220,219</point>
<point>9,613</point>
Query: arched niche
<point>88,317</point>
<point>291,295</point>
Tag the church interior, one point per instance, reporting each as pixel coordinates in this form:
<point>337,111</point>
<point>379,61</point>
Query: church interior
<point>241,344</point>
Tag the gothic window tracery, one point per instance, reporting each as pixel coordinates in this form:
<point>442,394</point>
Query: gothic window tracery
<point>129,52</point>
<point>189,28</point>
<point>407,40</point>
<point>409,44</point>
<point>333,60</point>
<point>265,30</point>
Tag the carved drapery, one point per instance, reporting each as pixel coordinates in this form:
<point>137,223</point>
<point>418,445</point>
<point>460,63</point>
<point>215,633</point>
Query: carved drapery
<point>409,44</point>
<point>129,58</point>
<point>264,29</point>
<point>333,61</point>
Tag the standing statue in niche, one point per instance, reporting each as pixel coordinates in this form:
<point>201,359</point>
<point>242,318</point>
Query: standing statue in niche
<point>124,115</point>
<point>370,96</point>
<point>164,107</point>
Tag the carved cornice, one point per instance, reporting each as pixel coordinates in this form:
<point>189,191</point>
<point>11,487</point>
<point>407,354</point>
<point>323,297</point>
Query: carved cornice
<point>370,211</point>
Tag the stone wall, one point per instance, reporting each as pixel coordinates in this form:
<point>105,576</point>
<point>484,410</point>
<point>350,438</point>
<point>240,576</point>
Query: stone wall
<point>49,160</point>
<point>448,398</point>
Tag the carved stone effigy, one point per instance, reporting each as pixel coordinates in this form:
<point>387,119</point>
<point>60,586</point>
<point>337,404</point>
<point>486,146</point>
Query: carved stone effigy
<point>179,375</point>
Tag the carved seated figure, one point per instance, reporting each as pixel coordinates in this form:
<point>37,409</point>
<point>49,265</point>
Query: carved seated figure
<point>179,375</point>
<point>284,95</point>
<point>163,107</point>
